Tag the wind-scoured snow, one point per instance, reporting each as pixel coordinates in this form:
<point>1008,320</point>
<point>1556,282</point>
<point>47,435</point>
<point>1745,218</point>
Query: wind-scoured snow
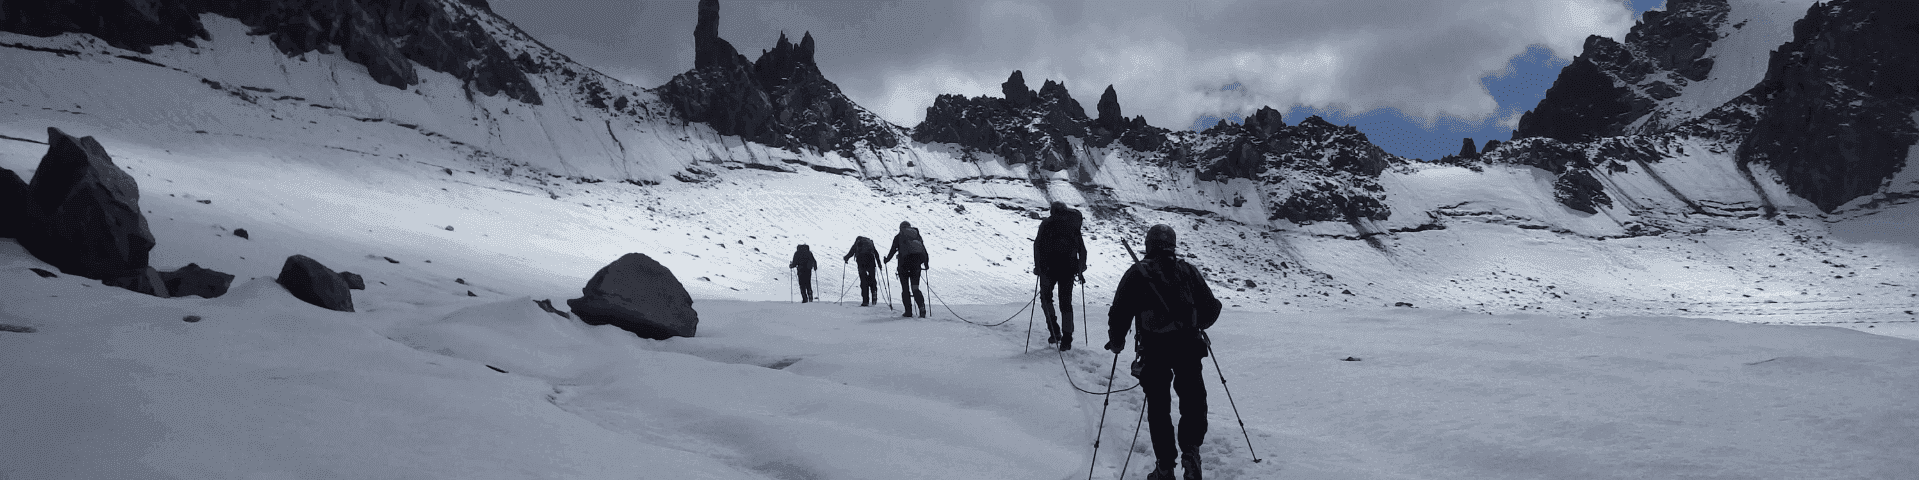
<point>1540,341</point>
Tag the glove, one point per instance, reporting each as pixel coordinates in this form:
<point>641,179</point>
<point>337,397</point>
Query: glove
<point>1082,279</point>
<point>1036,270</point>
<point>1115,347</point>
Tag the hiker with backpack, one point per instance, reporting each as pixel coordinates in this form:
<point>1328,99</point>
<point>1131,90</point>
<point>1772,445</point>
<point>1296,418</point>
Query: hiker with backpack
<point>912,252</point>
<point>869,258</point>
<point>1059,254</point>
<point>803,260</point>
<point>1170,303</point>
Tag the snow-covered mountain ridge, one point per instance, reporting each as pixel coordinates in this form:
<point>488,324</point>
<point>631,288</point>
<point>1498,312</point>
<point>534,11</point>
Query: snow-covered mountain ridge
<point>1302,216</point>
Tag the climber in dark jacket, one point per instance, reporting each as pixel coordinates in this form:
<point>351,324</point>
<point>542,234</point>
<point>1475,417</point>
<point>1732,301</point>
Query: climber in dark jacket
<point>912,252</point>
<point>1172,306</point>
<point>803,260</point>
<point>869,258</point>
<point>1059,254</point>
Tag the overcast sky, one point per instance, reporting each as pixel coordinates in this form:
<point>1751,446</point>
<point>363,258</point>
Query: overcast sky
<point>1415,75</point>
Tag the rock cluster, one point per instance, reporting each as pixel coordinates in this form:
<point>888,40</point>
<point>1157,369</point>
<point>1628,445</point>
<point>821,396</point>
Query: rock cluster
<point>81,214</point>
<point>781,100</point>
<point>638,295</point>
<point>1022,127</point>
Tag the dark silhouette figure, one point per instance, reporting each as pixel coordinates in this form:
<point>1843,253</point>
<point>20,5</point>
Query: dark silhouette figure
<point>803,260</point>
<point>912,252</point>
<point>1170,303</point>
<point>869,258</point>
<point>1059,254</point>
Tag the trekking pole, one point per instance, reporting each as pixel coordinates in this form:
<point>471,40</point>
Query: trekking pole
<point>1029,319</point>
<point>1229,395</point>
<point>886,286</point>
<point>789,289</point>
<point>842,284</point>
<point>1102,416</point>
<point>1129,447</point>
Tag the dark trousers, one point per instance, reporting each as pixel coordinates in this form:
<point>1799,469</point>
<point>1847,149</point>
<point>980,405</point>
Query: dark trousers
<point>869,284</point>
<point>1046,283</point>
<point>1182,373</point>
<point>909,271</point>
<point>806,285</point>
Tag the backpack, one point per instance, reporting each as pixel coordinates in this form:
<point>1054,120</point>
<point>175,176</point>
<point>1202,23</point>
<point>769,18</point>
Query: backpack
<point>1172,290</point>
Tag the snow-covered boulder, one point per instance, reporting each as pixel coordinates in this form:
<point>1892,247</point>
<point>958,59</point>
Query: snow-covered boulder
<point>196,280</point>
<point>314,283</point>
<point>353,280</point>
<point>93,226</point>
<point>638,295</point>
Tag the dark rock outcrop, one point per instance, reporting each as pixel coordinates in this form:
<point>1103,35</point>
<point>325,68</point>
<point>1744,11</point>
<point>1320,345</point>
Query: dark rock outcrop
<point>781,100</point>
<point>1467,149</point>
<point>1579,190</point>
<point>353,281</point>
<point>1612,86</point>
<point>194,280</point>
<point>638,295</point>
<point>144,280</point>
<point>547,305</point>
<point>1027,126</point>
<point>385,36</point>
<point>314,283</point>
<point>1837,101</point>
<point>92,225</point>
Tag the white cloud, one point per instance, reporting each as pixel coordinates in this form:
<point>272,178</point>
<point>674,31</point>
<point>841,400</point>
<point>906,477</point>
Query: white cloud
<point>1167,60</point>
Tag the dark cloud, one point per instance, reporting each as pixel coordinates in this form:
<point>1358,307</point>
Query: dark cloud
<point>1167,59</point>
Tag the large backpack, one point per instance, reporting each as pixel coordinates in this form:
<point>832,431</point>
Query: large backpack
<point>1055,244</point>
<point>911,242</point>
<point>1172,292</point>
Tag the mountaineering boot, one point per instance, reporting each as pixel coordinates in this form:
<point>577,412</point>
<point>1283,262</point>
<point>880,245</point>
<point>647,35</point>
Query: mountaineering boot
<point>909,310</point>
<point>1189,461</point>
<point>1163,472</point>
<point>1065,343</point>
<point>922,308</point>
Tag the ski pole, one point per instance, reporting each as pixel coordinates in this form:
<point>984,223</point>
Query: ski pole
<point>1110,373</point>
<point>1229,395</point>
<point>789,289</point>
<point>842,283</point>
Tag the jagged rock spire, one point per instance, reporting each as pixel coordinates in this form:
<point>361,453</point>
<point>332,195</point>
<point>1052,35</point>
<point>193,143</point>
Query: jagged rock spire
<point>1015,90</point>
<point>1467,149</point>
<point>1108,107</point>
<point>708,48</point>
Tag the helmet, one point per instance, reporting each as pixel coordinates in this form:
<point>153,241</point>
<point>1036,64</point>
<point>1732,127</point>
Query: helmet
<point>1059,208</point>
<point>1161,238</point>
<point>905,225</point>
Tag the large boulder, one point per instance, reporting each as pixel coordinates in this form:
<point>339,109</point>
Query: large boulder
<point>638,295</point>
<point>17,211</point>
<point>145,280</point>
<point>194,280</point>
<point>93,226</point>
<point>314,283</point>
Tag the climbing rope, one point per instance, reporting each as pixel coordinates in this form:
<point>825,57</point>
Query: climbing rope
<point>949,308</point>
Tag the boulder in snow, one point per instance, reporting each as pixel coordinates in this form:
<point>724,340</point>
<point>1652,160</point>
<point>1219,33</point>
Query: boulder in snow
<point>353,281</point>
<point>548,306</point>
<point>93,227</point>
<point>145,280</point>
<point>18,214</point>
<point>638,295</point>
<point>194,280</point>
<point>314,283</point>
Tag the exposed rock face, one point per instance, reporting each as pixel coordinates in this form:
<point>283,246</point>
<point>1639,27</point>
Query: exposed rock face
<point>127,24</point>
<point>385,36</point>
<point>1579,190</point>
<point>194,280</point>
<point>353,281</point>
<point>780,100</point>
<point>314,283</point>
<point>1836,106</point>
<point>638,295</point>
<point>91,211</point>
<point>1612,87</point>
